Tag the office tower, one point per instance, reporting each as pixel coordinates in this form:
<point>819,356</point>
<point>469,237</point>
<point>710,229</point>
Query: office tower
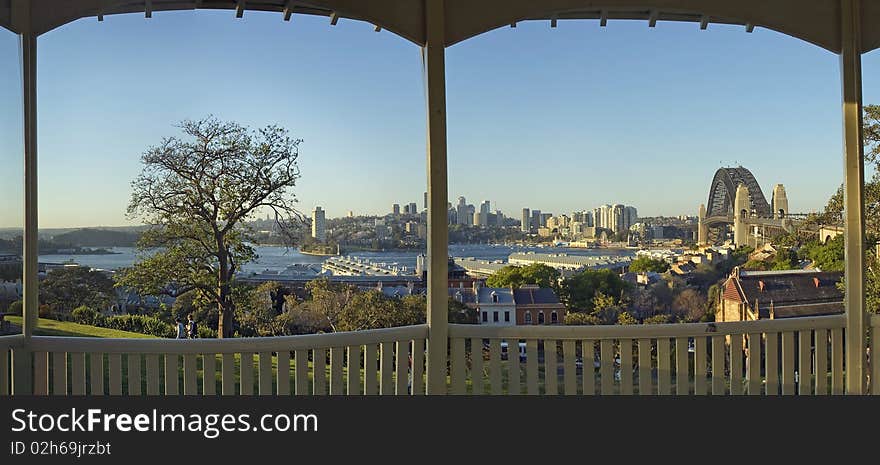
<point>525,225</point>
<point>536,219</point>
<point>413,208</point>
<point>462,212</point>
<point>426,200</point>
<point>318,231</point>
<point>395,209</point>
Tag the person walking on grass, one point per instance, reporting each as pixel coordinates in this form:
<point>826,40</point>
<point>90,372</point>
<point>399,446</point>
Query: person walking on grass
<point>181,330</point>
<point>191,329</point>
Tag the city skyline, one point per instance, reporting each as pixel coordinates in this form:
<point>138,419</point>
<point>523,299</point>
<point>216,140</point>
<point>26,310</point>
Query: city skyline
<point>648,114</point>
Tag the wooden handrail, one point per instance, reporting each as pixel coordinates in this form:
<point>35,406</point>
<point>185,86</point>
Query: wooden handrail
<point>225,346</point>
<point>646,331</point>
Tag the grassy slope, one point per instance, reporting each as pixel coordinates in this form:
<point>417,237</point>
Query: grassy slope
<point>46,327</point>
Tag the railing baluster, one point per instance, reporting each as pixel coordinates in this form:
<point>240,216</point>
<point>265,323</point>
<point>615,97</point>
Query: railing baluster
<point>788,363</point>
<point>805,362</point>
<point>402,369</point>
<point>477,383</point>
<point>495,366</point>
<point>246,374</point>
<point>701,353</point>
<point>718,366</point>
<point>41,373</point>
<point>514,386</point>
<point>771,364</point>
<point>736,364</point>
<point>171,376</point>
<point>386,369</point>
<point>875,358</point>
<point>682,377</point>
<point>645,379</point>
<point>606,366</point>
<point>190,375</point>
<point>371,387</point>
<point>302,372</point>
<point>59,373</point>
<point>418,367</point>
<point>152,374</point>
<point>96,374</point>
<point>77,373</point>
<point>209,374</point>
<point>319,372</point>
<point>754,367</point>
<point>283,380</point>
<point>664,387</point>
<point>551,375</point>
<point>115,374</point>
<point>227,375</point>
<point>626,367</point>
<point>532,367</point>
<point>4,371</point>
<point>134,374</point>
<point>265,373</point>
<point>837,361</point>
<point>821,357</point>
<point>337,356</point>
<point>569,371</point>
<point>458,366</point>
<point>353,373</point>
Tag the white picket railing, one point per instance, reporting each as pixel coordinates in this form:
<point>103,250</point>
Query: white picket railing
<point>381,361</point>
<point>787,356</point>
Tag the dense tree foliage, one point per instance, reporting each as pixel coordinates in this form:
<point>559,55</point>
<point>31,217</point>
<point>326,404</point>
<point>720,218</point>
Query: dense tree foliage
<point>644,264</point>
<point>516,276</point>
<point>579,291</point>
<point>67,288</point>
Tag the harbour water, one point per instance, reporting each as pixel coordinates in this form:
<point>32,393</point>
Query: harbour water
<point>275,258</point>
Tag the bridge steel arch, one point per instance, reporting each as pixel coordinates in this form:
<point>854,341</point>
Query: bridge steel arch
<point>722,193</point>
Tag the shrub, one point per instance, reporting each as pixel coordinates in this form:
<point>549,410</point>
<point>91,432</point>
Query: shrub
<point>206,333</point>
<point>86,316</point>
<point>45,311</point>
<point>15,308</point>
<point>143,324</point>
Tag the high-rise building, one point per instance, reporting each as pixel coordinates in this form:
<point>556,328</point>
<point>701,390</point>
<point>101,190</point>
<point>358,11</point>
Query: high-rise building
<point>395,209</point>
<point>526,224</point>
<point>318,231</point>
<point>632,216</point>
<point>485,207</point>
<point>499,219</point>
<point>588,218</point>
<point>426,200</point>
<point>618,218</point>
<point>350,214</point>
<point>544,218</point>
<point>413,208</point>
<point>462,212</point>
<point>536,220</point>
<point>406,209</point>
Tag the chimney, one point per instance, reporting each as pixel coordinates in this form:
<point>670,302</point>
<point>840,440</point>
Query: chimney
<point>761,286</point>
<point>816,281</point>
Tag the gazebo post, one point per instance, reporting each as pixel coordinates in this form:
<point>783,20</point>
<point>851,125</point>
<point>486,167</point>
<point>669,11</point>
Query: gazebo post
<point>438,229</point>
<point>853,195</point>
<point>22,372</point>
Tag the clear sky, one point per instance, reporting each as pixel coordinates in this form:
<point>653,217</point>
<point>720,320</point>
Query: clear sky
<point>555,119</point>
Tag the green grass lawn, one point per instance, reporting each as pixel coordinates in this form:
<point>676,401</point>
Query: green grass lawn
<point>47,327</point>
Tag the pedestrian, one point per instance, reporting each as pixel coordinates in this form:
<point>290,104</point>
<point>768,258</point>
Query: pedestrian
<point>181,330</point>
<point>191,327</point>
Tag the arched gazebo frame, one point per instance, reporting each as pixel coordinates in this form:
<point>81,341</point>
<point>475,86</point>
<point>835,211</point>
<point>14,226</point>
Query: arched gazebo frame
<point>839,26</point>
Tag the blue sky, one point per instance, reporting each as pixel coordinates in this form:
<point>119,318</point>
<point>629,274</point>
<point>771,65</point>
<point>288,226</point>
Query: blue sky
<point>555,119</point>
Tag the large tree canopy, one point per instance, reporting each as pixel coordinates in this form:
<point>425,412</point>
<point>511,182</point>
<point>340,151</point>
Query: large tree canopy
<point>196,192</point>
<point>67,288</point>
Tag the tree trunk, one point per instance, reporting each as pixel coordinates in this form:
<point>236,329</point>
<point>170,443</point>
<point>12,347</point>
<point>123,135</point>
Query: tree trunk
<point>225,306</point>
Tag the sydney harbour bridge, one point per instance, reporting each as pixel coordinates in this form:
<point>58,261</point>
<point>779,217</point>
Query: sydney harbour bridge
<point>736,201</point>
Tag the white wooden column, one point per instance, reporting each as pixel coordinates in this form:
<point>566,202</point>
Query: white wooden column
<point>438,229</point>
<point>22,375</point>
<point>853,195</point>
